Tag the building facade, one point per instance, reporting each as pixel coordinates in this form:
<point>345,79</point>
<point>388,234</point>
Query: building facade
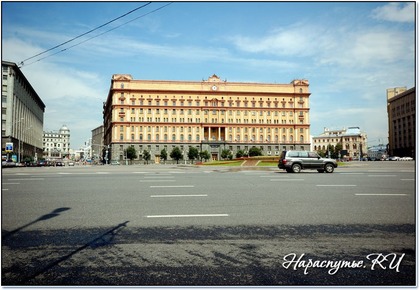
<point>210,115</point>
<point>401,107</point>
<point>97,145</point>
<point>22,115</point>
<point>352,139</point>
<point>57,144</point>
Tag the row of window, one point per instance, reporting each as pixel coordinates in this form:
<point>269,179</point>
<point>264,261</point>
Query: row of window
<point>199,129</point>
<point>207,112</point>
<point>345,147</point>
<point>347,139</point>
<point>181,137</point>
<point>214,103</point>
<point>409,107</point>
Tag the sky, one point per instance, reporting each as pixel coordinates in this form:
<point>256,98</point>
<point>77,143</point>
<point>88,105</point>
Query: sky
<point>350,52</point>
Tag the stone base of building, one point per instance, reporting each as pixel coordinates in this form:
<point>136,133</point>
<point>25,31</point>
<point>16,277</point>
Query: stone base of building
<point>117,151</point>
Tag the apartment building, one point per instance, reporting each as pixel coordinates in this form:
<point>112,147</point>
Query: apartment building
<point>57,143</point>
<point>401,107</point>
<point>22,115</point>
<point>210,115</point>
<point>352,139</point>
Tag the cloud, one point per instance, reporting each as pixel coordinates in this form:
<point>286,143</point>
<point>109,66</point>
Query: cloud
<point>72,97</point>
<point>395,12</point>
<point>296,40</point>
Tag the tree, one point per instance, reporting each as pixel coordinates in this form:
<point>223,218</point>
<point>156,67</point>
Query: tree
<point>226,154</point>
<point>254,151</point>
<point>131,153</point>
<point>204,155</point>
<point>240,153</point>
<point>146,156</point>
<point>176,154</point>
<point>192,153</point>
<point>164,154</point>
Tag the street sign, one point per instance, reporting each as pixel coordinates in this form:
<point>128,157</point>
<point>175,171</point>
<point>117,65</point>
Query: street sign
<point>9,147</point>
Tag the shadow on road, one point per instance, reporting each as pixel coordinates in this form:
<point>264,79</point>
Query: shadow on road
<point>102,240</point>
<point>211,255</point>
<point>45,217</point>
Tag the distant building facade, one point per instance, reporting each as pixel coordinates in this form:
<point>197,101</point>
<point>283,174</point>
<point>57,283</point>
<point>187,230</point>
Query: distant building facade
<point>22,115</point>
<point>401,107</point>
<point>57,144</point>
<point>97,145</point>
<point>210,115</point>
<point>352,140</point>
<point>378,152</point>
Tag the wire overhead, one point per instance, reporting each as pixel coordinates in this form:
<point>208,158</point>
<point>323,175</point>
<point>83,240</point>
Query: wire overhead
<point>22,63</point>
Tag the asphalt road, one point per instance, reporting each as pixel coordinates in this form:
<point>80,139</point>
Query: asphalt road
<point>188,225</point>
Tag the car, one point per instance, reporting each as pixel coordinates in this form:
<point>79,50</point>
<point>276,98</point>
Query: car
<point>8,163</point>
<point>115,162</point>
<point>59,163</point>
<point>393,158</point>
<point>71,163</point>
<point>406,158</point>
<point>297,160</point>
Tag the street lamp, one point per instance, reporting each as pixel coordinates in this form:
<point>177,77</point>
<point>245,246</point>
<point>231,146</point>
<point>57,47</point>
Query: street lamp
<point>20,140</point>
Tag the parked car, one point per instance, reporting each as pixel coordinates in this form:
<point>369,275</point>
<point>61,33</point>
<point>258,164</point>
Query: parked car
<point>59,163</point>
<point>71,163</point>
<point>393,158</point>
<point>295,161</point>
<point>406,158</point>
<point>8,163</point>
<point>115,162</point>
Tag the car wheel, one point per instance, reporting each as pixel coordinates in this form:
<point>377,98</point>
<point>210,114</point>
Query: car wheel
<point>329,168</point>
<point>296,168</point>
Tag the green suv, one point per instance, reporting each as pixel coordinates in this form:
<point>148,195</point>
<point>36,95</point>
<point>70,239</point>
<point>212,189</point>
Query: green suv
<point>295,161</point>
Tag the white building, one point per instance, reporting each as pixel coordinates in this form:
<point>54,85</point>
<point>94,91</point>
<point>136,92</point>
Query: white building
<point>57,144</point>
<point>352,140</point>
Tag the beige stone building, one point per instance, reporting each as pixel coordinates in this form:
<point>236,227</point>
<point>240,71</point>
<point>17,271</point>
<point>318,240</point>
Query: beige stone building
<point>211,115</point>
<point>401,122</point>
<point>352,140</point>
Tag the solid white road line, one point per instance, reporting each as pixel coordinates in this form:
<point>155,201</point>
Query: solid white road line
<point>157,176</point>
<point>186,215</point>
<point>287,179</point>
<point>382,175</point>
<point>336,185</point>
<point>10,183</point>
<point>169,186</point>
<point>29,179</point>
<point>160,180</point>
<point>180,195</point>
<point>380,194</point>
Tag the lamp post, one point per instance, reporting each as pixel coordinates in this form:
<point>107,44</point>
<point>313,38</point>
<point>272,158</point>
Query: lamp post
<point>21,140</point>
<point>17,133</point>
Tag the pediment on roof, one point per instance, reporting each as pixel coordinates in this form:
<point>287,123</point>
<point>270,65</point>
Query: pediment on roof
<point>214,78</point>
<point>119,77</point>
